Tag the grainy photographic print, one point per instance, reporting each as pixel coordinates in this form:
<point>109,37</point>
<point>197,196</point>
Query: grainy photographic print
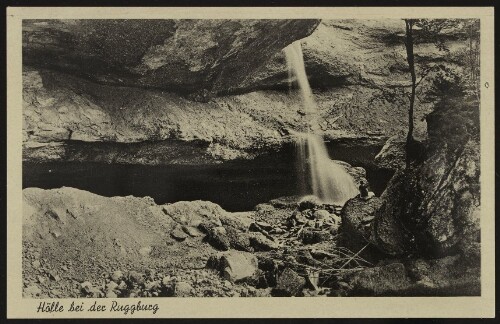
<point>249,158</point>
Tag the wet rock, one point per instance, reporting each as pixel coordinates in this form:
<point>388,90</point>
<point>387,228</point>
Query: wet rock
<point>289,284</point>
<point>357,173</point>
<point>287,202</point>
<point>235,266</point>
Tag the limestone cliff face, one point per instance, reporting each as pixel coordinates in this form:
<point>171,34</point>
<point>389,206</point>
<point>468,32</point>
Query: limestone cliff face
<point>222,83</point>
<point>203,57</point>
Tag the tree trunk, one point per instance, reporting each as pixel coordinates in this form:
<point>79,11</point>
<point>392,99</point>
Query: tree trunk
<point>411,64</point>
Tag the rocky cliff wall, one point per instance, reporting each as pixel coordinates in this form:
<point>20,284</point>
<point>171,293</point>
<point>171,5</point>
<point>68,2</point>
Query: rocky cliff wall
<point>222,83</point>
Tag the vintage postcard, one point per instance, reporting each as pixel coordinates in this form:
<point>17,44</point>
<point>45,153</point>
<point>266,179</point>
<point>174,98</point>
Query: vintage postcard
<point>250,162</point>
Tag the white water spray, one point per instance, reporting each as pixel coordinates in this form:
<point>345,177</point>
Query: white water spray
<point>328,180</point>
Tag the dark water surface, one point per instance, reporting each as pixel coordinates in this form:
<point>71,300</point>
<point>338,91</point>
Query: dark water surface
<point>235,185</point>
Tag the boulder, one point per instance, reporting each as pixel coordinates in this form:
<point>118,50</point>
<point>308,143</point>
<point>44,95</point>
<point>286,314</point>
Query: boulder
<point>387,232</point>
<point>392,156</point>
<point>433,207</point>
<point>235,266</point>
<point>357,217</point>
<point>262,243</point>
<point>217,237</point>
<point>238,220</point>
<point>289,284</point>
<point>238,240</point>
<point>193,213</point>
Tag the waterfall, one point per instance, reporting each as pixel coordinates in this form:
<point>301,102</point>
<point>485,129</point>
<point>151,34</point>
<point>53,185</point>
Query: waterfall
<point>326,179</point>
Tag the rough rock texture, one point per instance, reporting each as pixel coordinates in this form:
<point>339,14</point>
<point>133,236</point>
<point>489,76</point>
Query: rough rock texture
<point>436,277</point>
<point>235,266</point>
<point>78,244</point>
<point>438,200</point>
<point>68,118</point>
<point>289,284</point>
<point>433,208</point>
<point>203,56</point>
<point>357,70</point>
<point>392,156</point>
<point>357,218</point>
<point>377,281</point>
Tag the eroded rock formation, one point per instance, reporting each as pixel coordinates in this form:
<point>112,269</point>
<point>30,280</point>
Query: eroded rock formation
<point>432,208</point>
<point>85,81</point>
<point>203,57</point>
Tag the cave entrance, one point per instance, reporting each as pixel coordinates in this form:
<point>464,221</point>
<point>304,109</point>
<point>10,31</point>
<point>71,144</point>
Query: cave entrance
<point>237,185</point>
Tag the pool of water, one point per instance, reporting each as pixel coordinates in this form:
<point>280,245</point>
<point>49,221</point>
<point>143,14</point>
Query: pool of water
<point>236,185</point>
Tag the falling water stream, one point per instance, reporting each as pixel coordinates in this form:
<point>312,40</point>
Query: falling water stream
<point>326,179</point>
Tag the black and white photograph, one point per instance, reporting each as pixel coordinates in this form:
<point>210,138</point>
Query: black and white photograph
<point>251,158</point>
